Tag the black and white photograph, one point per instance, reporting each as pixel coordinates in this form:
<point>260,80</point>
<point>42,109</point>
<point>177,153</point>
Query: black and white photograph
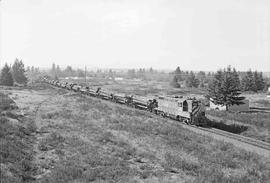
<point>134,91</point>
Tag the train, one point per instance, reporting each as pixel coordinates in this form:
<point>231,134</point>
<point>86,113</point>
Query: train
<point>184,109</point>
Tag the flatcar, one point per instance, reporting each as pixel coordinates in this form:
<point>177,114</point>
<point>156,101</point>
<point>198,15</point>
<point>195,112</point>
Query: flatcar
<point>76,87</point>
<point>103,94</point>
<point>84,89</point>
<point>119,98</point>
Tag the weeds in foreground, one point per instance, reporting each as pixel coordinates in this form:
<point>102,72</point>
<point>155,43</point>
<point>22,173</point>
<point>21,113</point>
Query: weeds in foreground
<point>16,152</point>
<point>260,120</point>
<point>104,157</point>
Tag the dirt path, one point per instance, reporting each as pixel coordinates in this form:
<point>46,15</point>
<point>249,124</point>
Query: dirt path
<point>31,103</point>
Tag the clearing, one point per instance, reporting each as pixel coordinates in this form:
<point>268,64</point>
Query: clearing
<point>82,139</point>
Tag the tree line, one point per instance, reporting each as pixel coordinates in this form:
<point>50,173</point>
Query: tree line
<point>247,81</point>
<point>189,78</point>
<point>14,74</point>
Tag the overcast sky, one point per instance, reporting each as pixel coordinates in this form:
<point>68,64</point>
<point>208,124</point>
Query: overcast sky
<point>194,34</point>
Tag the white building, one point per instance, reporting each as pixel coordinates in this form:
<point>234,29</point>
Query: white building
<point>235,108</point>
<point>118,79</point>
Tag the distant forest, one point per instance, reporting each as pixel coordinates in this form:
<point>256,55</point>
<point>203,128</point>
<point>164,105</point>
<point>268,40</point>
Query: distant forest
<point>247,81</point>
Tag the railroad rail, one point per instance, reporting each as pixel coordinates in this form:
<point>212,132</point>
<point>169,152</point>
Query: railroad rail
<point>247,140</point>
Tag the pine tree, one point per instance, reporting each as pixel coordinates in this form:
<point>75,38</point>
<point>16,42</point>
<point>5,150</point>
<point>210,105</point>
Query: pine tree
<point>192,81</point>
<point>224,89</point>
<point>178,73</point>
<point>259,81</point>
<point>214,86</point>
<point>236,77</point>
<point>248,82</point>
<point>53,68</point>
<point>58,71</point>
<point>201,77</point>
<point>18,72</point>
<point>6,76</point>
<point>174,83</point>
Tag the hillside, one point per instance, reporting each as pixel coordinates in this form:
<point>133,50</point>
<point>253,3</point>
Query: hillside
<point>81,139</point>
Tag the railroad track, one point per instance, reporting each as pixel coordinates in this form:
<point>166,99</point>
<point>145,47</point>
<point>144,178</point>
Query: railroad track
<point>247,140</point>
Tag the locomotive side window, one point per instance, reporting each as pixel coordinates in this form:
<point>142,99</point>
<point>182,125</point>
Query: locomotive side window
<point>195,104</point>
<point>185,106</point>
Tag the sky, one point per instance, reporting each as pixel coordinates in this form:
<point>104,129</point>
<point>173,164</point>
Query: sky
<point>163,34</point>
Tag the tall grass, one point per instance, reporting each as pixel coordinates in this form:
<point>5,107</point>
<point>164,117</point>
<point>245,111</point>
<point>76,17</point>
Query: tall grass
<point>104,142</point>
<point>261,120</point>
<point>6,102</point>
<point>16,152</point>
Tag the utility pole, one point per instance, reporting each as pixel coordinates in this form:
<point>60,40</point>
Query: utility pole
<point>85,73</point>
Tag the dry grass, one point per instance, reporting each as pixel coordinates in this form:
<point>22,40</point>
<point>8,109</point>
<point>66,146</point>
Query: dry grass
<point>16,146</point>
<point>6,102</point>
<point>258,123</point>
<point>104,142</point>
<point>263,102</point>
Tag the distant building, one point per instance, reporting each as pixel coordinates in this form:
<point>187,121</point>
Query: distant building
<point>118,79</point>
<point>235,108</point>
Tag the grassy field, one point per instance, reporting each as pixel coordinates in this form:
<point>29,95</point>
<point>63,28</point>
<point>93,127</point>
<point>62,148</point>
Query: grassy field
<point>93,141</point>
<point>255,125</point>
<point>258,99</point>
<point>140,87</point>
<point>16,153</point>
<point>258,124</point>
<point>79,139</point>
<point>6,103</point>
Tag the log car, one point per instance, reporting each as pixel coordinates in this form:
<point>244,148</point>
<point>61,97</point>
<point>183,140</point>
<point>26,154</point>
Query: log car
<point>76,88</point>
<point>103,94</point>
<point>84,89</point>
<point>119,98</point>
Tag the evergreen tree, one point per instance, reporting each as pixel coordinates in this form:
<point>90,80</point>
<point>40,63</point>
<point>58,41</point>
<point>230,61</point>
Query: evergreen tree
<point>131,73</point>
<point>224,89</point>
<point>259,81</point>
<point>53,68</point>
<point>236,77</point>
<point>18,72</point>
<point>192,81</point>
<point>58,71</point>
<point>248,82</point>
<point>68,72</point>
<point>178,73</point>
<point>80,73</point>
<point>6,76</point>
<point>202,78</point>
<point>174,83</point>
<point>214,86</point>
